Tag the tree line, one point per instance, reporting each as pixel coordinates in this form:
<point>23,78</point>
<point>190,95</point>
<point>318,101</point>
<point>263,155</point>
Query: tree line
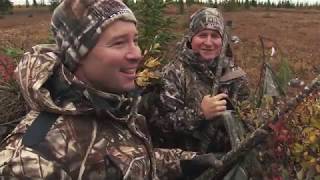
<point>239,4</point>
<point>7,5</point>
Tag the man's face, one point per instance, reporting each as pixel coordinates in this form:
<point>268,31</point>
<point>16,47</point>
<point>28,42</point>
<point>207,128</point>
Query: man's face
<point>111,65</point>
<point>207,43</point>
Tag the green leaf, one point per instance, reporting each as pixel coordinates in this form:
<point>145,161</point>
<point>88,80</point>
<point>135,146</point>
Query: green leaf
<point>13,52</point>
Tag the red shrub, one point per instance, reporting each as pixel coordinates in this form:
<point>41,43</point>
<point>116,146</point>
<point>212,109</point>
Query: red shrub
<point>7,66</point>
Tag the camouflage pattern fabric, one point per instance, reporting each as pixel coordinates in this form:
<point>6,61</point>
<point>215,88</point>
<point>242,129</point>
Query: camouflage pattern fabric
<point>186,81</point>
<point>97,135</point>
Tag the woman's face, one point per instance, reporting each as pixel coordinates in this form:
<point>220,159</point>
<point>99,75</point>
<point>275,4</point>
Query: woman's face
<point>207,43</point>
<point>111,65</point>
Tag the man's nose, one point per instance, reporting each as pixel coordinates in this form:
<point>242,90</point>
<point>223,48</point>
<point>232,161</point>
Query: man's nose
<point>134,53</point>
<point>208,41</point>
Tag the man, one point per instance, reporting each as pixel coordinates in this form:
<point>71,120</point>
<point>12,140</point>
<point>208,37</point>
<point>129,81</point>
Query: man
<point>186,105</point>
<point>188,115</point>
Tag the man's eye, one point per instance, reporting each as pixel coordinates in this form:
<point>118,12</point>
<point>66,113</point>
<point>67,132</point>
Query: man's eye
<point>215,35</point>
<point>202,35</point>
<point>118,43</point>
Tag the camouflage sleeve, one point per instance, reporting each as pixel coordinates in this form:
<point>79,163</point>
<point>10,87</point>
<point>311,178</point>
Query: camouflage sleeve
<point>174,113</point>
<point>23,163</point>
<point>168,162</point>
<point>20,162</point>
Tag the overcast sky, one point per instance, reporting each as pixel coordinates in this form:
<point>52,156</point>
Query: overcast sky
<point>310,1</point>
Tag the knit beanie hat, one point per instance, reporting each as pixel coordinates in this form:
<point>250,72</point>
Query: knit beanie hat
<point>77,25</point>
<point>207,18</point>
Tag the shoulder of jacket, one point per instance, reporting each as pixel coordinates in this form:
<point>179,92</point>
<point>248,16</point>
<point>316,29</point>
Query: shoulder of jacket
<point>174,66</point>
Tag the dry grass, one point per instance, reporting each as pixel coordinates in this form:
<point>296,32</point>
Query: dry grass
<point>295,32</point>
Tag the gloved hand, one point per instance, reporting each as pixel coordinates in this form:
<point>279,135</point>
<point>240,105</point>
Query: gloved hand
<point>196,166</point>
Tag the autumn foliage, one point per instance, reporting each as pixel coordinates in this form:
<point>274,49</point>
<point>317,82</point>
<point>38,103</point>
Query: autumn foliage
<point>6,68</point>
<point>13,106</point>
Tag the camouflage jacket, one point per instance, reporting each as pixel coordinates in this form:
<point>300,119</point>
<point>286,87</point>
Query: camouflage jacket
<point>96,135</point>
<point>186,81</point>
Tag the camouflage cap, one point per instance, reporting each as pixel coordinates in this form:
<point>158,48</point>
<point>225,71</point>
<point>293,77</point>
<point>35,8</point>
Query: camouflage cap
<point>206,18</point>
<point>77,25</point>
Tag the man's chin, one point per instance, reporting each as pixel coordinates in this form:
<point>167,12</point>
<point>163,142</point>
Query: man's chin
<point>129,87</point>
<point>206,59</point>
<point>124,88</point>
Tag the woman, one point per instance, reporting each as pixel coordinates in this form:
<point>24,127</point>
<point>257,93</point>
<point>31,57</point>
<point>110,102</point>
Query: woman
<point>187,108</point>
<point>84,122</point>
